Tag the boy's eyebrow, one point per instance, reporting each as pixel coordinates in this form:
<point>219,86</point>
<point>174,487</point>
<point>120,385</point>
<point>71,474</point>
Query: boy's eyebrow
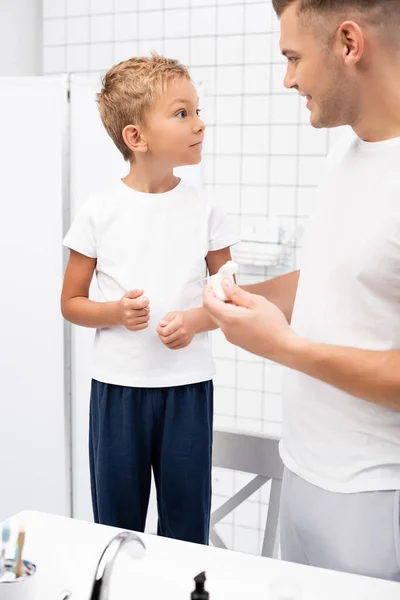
<point>182,101</point>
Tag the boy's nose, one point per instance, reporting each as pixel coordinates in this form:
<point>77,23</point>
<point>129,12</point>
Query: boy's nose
<point>200,125</point>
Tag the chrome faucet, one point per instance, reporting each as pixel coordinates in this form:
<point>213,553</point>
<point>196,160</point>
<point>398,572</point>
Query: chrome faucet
<point>104,568</point>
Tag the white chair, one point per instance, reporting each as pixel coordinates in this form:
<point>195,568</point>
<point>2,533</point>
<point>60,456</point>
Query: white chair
<point>249,453</point>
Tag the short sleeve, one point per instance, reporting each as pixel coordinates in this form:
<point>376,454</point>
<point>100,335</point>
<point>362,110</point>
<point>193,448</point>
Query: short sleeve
<point>81,236</point>
<point>221,233</point>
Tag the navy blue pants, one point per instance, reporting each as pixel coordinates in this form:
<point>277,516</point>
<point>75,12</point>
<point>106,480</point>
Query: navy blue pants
<point>169,430</point>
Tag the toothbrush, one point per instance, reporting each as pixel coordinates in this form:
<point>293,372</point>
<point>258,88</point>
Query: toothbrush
<point>5,538</point>
<point>18,564</point>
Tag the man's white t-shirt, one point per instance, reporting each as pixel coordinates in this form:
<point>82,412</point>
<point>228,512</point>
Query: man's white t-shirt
<point>348,295</point>
<point>158,242</point>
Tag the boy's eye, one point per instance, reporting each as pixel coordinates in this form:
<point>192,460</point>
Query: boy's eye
<point>183,113</point>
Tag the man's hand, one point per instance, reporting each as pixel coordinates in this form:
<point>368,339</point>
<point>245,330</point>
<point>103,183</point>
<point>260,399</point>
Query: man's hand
<point>176,330</point>
<point>251,322</point>
<point>133,311</point>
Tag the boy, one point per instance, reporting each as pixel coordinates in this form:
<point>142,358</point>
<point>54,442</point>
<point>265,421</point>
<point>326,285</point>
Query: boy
<point>150,238</point>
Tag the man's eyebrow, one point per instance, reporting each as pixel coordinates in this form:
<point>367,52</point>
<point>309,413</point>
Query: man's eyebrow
<point>287,51</point>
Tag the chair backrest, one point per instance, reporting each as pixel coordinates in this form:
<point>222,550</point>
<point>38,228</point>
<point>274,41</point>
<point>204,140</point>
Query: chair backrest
<point>250,453</point>
<point>256,454</point>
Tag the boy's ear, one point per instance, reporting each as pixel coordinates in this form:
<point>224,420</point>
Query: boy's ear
<point>134,138</point>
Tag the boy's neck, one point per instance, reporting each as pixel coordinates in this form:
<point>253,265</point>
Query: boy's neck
<point>147,179</point>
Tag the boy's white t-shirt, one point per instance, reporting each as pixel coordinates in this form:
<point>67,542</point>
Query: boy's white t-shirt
<point>348,295</point>
<point>157,242</point>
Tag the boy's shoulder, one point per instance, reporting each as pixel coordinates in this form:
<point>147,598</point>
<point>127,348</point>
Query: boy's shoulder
<point>102,196</point>
<point>102,193</point>
<point>203,194</point>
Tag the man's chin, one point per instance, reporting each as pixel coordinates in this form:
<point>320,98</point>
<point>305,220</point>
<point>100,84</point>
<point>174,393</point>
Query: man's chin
<point>315,120</point>
<point>331,121</point>
<point>318,122</point>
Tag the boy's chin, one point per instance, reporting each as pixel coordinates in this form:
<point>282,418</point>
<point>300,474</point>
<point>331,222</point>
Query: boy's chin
<point>190,162</point>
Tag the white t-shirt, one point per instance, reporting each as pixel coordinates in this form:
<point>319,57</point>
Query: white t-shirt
<point>157,242</point>
<point>348,295</point>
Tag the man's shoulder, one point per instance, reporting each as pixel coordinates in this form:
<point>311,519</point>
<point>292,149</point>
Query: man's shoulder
<point>343,143</point>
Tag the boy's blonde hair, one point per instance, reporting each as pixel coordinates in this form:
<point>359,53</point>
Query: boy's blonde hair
<point>130,88</point>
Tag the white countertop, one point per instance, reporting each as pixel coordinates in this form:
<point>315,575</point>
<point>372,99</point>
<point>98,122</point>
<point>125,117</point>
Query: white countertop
<point>66,552</point>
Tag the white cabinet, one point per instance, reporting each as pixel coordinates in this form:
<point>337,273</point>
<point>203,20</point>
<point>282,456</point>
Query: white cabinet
<point>34,466</point>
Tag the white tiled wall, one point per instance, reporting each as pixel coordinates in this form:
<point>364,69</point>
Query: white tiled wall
<point>261,158</point>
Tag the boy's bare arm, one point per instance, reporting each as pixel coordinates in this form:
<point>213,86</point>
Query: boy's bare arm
<point>131,311</point>
<point>281,291</point>
<point>201,319</point>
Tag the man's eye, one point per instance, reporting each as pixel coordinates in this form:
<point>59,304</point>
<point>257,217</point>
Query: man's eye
<point>181,114</point>
<point>293,59</point>
<point>198,111</point>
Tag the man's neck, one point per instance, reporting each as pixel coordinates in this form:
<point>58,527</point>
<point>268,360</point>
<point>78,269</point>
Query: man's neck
<point>379,118</point>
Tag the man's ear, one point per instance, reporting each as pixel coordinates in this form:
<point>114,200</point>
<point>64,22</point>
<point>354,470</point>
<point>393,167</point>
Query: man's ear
<point>134,138</point>
<point>352,41</point>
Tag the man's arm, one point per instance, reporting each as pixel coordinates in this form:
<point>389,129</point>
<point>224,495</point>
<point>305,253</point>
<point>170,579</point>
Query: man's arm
<point>372,375</point>
<point>281,291</point>
<point>258,326</point>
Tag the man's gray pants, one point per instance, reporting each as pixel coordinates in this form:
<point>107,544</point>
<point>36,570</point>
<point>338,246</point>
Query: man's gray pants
<point>355,533</point>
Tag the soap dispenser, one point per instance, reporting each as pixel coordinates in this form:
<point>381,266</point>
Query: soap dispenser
<point>200,593</point>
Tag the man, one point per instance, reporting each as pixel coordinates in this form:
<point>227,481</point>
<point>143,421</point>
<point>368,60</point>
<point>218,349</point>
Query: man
<point>340,506</point>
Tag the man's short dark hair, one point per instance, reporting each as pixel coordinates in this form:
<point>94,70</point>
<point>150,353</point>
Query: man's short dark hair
<point>385,7</point>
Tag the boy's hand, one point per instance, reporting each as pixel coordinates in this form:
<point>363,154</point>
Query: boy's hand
<point>133,310</point>
<point>176,330</point>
